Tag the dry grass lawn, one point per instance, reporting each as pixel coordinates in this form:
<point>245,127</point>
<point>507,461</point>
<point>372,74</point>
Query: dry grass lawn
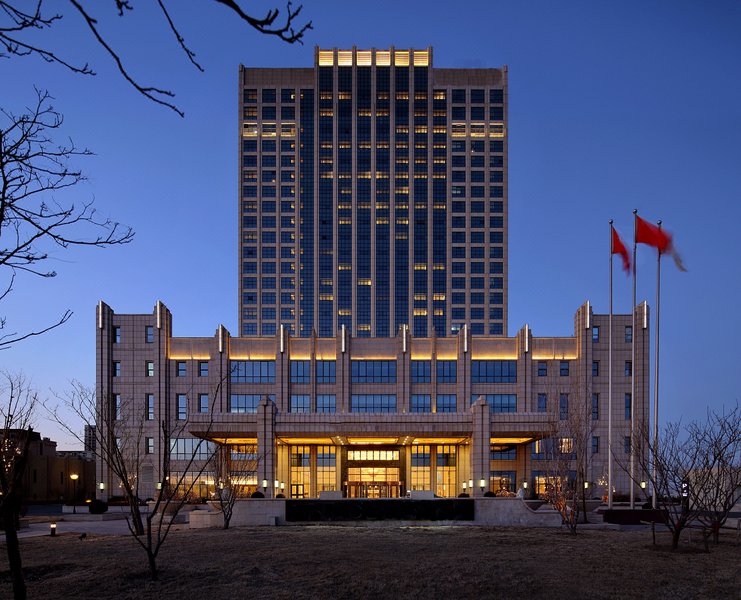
<point>374,562</point>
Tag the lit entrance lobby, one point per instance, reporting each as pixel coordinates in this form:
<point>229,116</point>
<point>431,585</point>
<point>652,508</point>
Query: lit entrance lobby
<point>373,467</point>
<point>388,466</point>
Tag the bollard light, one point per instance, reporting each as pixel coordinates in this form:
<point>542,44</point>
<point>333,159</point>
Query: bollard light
<point>101,486</point>
<point>53,529</point>
<point>586,485</point>
<point>643,485</point>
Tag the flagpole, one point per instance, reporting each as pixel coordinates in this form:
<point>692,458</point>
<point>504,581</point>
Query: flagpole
<point>656,374</point>
<point>633,371</point>
<point>609,387</point>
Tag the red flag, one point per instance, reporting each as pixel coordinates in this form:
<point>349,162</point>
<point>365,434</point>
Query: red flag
<point>619,248</point>
<point>651,235</point>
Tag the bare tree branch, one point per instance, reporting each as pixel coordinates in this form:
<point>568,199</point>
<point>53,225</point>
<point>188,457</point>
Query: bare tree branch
<point>155,94</point>
<point>33,167</point>
<point>18,404</point>
<point>265,25</point>
<point>16,22</point>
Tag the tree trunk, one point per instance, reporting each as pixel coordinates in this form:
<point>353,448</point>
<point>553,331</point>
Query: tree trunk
<point>14,554</point>
<point>152,565</point>
<point>675,537</point>
<point>136,516</point>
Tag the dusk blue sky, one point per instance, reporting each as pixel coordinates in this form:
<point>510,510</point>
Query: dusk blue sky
<point>612,106</point>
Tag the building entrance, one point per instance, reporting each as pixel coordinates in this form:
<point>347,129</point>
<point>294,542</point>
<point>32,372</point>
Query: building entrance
<point>374,472</point>
<point>373,482</point>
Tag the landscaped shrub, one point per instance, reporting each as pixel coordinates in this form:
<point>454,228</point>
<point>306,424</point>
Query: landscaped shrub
<point>257,495</point>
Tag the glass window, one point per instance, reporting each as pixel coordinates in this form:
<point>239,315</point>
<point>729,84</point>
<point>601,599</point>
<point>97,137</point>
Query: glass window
<point>373,403</point>
<point>268,95</point>
<point>421,403</point>
<point>326,403</point>
<point>595,333</point>
<point>117,406</point>
<point>542,402</point>
<point>180,368</point>
<point>626,444</point>
<point>149,368</point>
<point>182,401</point>
<point>246,403</point>
<point>300,371</point>
<point>202,403</point>
<point>300,403</point>
<point>149,334</point>
<point>595,444</point>
<point>421,371</point>
<point>563,407</point>
<point>116,335</point>
<point>563,368</point>
<point>595,407</point>
<point>494,371</point>
<point>499,403</point>
<point>446,403</point>
<point>203,368</point>
<point>447,371</point>
<point>502,481</point>
<point>373,371</point>
<point>542,368</point>
<point>150,445</point>
<point>187,448</point>
<point>116,368</point>
<point>150,407</point>
<point>252,371</point>
<point>628,406</point>
<point>628,368</point>
<point>628,334</point>
<point>503,453</point>
<point>595,368</point>
<point>326,371</point>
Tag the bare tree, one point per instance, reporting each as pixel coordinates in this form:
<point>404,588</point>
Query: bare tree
<point>714,487</point>
<point>20,24</point>
<point>235,468</point>
<point>33,168</point>
<point>694,470</point>
<point>565,454</point>
<point>120,428</point>
<point>17,408</point>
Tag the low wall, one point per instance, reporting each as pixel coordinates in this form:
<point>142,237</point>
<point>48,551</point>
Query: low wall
<point>513,512</point>
<point>259,511</point>
<point>487,512</point>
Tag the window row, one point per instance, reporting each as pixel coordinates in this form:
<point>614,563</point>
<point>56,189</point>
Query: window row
<point>148,334</point>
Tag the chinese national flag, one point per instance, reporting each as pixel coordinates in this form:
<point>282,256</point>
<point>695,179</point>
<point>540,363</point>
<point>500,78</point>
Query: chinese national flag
<point>651,235</point>
<point>619,248</point>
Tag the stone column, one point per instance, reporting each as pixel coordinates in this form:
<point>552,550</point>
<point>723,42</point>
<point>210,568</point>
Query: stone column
<point>266,412</point>
<point>480,443</point>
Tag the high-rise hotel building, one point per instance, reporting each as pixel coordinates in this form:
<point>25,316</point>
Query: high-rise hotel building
<point>372,355</point>
<point>373,195</point>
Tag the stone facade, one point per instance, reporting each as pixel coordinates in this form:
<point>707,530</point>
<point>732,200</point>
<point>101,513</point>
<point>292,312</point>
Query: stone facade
<point>422,427</point>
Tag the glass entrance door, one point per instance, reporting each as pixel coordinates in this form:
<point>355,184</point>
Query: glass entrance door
<point>373,482</point>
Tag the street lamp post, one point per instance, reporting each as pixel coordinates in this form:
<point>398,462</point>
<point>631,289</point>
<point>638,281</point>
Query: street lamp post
<point>74,477</point>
